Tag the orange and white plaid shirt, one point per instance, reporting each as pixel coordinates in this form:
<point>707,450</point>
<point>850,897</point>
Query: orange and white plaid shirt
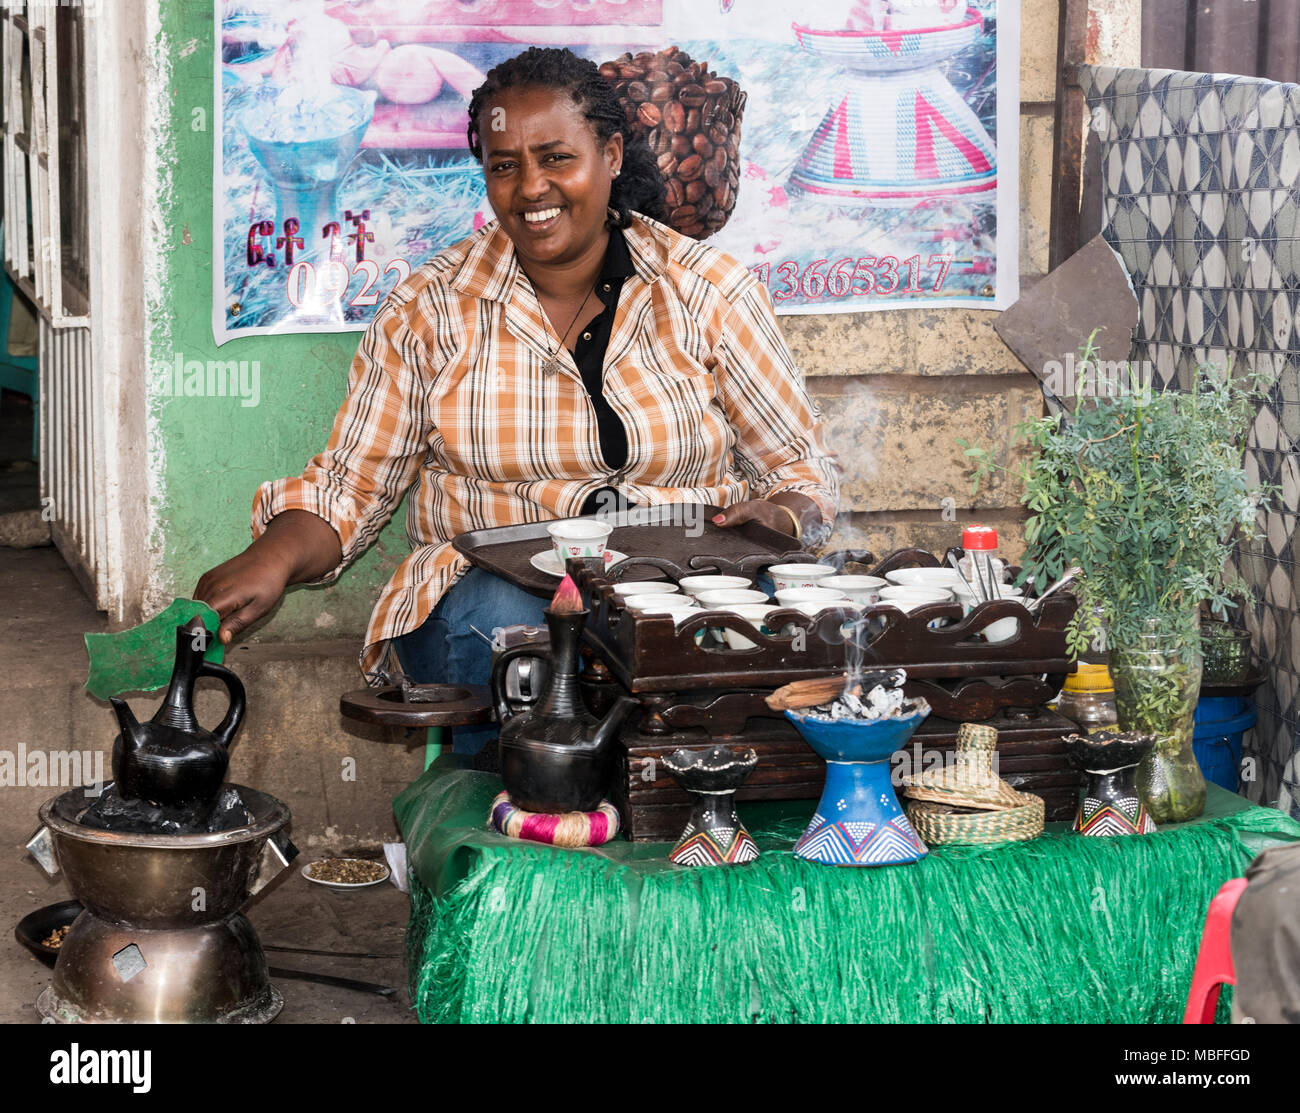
<point>448,392</point>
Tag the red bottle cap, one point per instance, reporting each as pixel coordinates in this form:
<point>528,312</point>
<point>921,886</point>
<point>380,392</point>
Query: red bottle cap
<point>979,538</point>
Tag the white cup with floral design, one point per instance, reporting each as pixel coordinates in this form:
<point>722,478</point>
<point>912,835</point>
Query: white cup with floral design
<point>578,538</point>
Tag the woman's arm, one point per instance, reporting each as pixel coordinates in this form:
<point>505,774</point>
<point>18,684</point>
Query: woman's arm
<point>780,440</point>
<point>307,529</point>
<point>295,548</point>
<point>804,520</point>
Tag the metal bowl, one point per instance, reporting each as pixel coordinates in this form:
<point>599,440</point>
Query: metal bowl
<point>150,880</point>
<point>34,928</point>
<point>345,886</point>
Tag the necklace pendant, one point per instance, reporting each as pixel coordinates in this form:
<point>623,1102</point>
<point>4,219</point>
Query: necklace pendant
<point>552,365</point>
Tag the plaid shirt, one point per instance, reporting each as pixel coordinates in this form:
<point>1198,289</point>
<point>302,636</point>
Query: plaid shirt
<point>448,392</point>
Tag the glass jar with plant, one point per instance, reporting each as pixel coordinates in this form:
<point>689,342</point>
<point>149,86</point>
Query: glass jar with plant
<point>1146,492</point>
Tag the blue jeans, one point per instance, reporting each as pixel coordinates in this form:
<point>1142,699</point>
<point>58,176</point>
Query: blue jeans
<point>444,650</point>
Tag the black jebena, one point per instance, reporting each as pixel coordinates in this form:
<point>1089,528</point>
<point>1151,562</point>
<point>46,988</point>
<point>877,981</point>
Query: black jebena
<point>555,758</point>
<point>168,772</point>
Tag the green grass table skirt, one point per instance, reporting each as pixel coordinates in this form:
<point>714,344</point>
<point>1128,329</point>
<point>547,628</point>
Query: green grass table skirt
<point>1059,929</point>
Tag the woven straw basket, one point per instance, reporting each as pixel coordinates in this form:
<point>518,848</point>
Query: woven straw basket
<point>940,823</point>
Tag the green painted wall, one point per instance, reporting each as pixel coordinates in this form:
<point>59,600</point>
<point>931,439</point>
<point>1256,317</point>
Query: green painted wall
<point>210,454</point>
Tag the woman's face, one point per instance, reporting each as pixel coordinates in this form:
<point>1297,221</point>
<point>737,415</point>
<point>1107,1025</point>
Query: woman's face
<point>548,176</point>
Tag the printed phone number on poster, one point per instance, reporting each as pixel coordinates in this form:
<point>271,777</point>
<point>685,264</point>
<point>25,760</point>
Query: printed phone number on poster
<point>309,285</point>
<point>855,277</point>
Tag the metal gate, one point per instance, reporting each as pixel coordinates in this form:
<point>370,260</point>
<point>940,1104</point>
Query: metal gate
<point>46,254</point>
<point>72,472</point>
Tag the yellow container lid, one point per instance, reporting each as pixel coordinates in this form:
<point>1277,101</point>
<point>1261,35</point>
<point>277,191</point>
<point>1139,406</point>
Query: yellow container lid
<point>1090,678</point>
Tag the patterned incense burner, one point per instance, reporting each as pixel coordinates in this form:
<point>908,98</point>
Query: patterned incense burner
<point>1111,803</point>
<point>714,835</point>
<point>898,131</point>
<point>858,821</point>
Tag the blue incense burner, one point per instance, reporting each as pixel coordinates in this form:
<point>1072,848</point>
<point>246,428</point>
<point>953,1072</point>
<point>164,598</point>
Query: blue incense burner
<point>858,821</point>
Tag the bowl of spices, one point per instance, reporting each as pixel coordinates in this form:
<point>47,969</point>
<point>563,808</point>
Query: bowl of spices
<point>345,873</point>
<point>42,932</point>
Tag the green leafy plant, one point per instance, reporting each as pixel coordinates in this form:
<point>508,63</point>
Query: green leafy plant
<point>1146,492</point>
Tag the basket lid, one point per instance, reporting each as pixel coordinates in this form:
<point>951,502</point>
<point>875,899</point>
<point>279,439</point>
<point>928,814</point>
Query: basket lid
<point>969,781</point>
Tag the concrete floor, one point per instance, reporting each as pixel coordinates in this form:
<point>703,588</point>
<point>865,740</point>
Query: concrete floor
<point>290,746</point>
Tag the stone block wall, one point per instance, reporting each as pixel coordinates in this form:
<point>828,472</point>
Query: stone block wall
<point>898,387</point>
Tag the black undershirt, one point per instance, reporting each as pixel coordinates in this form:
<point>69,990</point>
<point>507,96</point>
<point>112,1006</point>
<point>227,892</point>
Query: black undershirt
<point>589,355</point>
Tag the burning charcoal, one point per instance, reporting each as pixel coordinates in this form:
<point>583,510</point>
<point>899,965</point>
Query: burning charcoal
<point>229,812</point>
<point>853,705</point>
<point>139,817</point>
<point>884,701</point>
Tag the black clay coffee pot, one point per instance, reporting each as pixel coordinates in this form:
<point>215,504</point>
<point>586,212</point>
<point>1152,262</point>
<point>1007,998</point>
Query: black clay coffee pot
<point>171,761</point>
<point>556,757</point>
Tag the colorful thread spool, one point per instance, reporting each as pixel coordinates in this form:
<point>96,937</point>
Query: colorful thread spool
<point>571,829</point>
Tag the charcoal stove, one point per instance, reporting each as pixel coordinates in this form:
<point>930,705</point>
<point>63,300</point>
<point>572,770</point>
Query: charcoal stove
<point>162,938</point>
<point>162,860</point>
<point>695,691</point>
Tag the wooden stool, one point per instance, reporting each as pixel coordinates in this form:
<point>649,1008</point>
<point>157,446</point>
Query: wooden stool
<point>410,714</point>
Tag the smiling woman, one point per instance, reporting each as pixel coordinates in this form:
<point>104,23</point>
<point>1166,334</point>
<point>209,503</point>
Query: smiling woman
<point>573,355</point>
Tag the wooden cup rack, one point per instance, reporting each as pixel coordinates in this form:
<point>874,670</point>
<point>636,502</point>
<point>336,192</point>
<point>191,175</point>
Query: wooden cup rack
<point>694,690</point>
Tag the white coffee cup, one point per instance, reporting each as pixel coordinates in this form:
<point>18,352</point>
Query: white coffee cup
<point>693,585</point>
<point>576,538</point>
<point>925,577</point>
<point>753,613</point>
<point>861,589</point>
<point>909,599</point>
<point>730,598</point>
<point>659,604</point>
<point>786,576</point>
<point>793,596</point>
<point>918,595</point>
<point>678,608</point>
<point>646,587</point>
<point>1005,628</point>
<point>814,608</point>
<point>641,602</point>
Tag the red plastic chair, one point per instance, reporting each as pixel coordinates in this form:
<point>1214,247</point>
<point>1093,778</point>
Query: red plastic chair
<point>1214,959</point>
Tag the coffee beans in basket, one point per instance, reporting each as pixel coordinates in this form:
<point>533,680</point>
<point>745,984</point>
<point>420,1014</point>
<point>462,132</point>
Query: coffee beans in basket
<point>691,119</point>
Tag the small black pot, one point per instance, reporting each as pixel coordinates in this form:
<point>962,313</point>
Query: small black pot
<point>552,779</point>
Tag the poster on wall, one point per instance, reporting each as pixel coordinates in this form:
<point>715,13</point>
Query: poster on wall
<point>855,154</point>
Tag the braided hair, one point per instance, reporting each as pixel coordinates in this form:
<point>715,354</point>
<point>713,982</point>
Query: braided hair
<point>639,185</point>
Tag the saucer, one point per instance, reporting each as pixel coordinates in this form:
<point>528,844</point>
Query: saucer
<point>546,561</point>
<point>345,886</point>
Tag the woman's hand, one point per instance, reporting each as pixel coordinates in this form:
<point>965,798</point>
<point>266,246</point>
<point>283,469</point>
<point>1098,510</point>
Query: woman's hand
<point>243,589</point>
<point>296,546</point>
<point>775,513</point>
